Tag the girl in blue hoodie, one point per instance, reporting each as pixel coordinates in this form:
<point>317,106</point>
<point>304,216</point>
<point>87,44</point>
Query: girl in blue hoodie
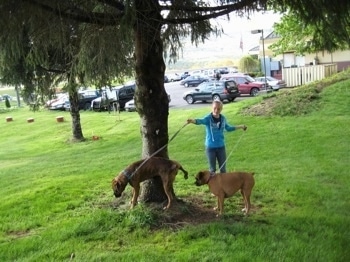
<point>215,124</point>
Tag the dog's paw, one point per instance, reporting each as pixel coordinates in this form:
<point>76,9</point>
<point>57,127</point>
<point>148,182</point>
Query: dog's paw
<point>132,204</point>
<point>245,211</point>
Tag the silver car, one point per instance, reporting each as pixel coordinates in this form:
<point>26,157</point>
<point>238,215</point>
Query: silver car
<point>273,82</point>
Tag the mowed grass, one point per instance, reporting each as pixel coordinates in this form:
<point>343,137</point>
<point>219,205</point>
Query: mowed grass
<point>57,203</point>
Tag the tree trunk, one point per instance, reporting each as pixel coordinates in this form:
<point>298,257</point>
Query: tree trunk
<point>74,112</point>
<point>18,96</point>
<point>150,98</point>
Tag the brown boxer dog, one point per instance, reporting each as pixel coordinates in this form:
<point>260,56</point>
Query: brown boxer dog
<point>142,170</point>
<point>224,185</point>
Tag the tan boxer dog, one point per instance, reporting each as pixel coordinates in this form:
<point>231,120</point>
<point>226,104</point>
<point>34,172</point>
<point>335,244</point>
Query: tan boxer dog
<point>224,185</point>
<point>142,170</point>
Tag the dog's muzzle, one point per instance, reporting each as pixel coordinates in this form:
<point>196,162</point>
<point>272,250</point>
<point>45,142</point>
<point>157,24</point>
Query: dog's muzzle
<point>198,182</point>
<point>117,194</point>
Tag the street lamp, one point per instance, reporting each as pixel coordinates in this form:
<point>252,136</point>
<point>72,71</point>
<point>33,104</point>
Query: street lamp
<point>258,31</point>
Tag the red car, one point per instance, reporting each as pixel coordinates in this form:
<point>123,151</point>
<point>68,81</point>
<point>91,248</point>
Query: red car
<point>246,84</point>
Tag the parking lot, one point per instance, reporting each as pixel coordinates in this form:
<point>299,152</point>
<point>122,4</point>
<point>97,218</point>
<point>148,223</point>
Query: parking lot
<point>175,90</point>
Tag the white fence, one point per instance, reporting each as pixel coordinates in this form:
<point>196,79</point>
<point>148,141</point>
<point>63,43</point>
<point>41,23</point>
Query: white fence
<point>302,75</point>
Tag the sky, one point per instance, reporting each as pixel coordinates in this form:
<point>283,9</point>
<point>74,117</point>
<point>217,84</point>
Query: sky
<point>228,45</point>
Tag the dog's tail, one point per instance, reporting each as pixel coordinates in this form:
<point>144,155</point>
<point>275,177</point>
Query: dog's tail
<point>177,165</point>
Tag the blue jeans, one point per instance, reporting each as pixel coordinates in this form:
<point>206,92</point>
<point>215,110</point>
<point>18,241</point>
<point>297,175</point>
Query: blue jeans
<point>218,154</point>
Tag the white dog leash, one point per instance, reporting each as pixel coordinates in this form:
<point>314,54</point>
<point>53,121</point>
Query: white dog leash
<point>146,159</point>
<point>239,139</point>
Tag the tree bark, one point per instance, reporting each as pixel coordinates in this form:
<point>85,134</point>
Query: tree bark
<point>150,97</point>
<point>74,112</point>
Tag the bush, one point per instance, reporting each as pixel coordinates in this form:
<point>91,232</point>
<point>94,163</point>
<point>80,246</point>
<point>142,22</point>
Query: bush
<point>7,102</point>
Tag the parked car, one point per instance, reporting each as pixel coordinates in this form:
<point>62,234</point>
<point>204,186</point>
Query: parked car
<point>174,77</point>
<point>213,90</point>
<point>210,73</point>
<point>4,96</point>
<point>130,106</point>
<point>273,82</point>
<point>222,70</point>
<point>166,79</point>
<point>184,75</point>
<point>66,105</point>
<point>193,80</point>
<point>86,96</point>
<point>246,84</point>
<point>114,98</point>
<point>196,72</point>
<point>105,101</point>
<point>84,99</point>
<point>57,103</point>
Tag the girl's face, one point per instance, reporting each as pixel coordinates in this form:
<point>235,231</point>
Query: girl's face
<point>217,108</point>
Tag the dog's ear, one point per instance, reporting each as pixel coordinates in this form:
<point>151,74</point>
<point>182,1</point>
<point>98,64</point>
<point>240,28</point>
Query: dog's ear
<point>114,182</point>
<point>201,174</point>
<point>117,185</point>
<point>121,186</point>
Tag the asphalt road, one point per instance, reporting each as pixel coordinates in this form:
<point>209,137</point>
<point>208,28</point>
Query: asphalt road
<point>176,91</point>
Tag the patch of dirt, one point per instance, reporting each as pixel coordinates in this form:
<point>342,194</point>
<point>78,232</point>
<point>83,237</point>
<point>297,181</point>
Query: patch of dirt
<point>194,210</point>
<point>191,211</point>
<point>262,109</point>
<point>18,234</point>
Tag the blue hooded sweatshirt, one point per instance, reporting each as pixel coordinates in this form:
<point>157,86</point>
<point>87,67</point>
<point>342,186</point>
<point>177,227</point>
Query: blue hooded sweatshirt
<point>214,130</point>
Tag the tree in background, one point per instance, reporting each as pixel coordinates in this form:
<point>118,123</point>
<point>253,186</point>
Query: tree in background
<point>248,64</point>
<point>41,51</point>
<point>303,37</point>
<point>99,40</point>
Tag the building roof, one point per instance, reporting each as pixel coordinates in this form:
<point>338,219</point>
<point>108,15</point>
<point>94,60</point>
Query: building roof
<point>255,48</point>
<point>273,34</point>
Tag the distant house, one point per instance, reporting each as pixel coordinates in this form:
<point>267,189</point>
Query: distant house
<point>278,66</point>
<point>254,50</point>
<point>290,59</point>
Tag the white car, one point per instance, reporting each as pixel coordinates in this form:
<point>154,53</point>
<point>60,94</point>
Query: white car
<point>130,106</point>
<point>174,77</point>
<point>273,82</point>
<point>58,103</point>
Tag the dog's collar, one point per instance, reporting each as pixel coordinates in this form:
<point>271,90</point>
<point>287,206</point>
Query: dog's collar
<point>212,174</point>
<point>127,174</point>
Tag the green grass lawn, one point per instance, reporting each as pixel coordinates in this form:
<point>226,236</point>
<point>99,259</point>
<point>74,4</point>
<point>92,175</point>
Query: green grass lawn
<point>57,203</point>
